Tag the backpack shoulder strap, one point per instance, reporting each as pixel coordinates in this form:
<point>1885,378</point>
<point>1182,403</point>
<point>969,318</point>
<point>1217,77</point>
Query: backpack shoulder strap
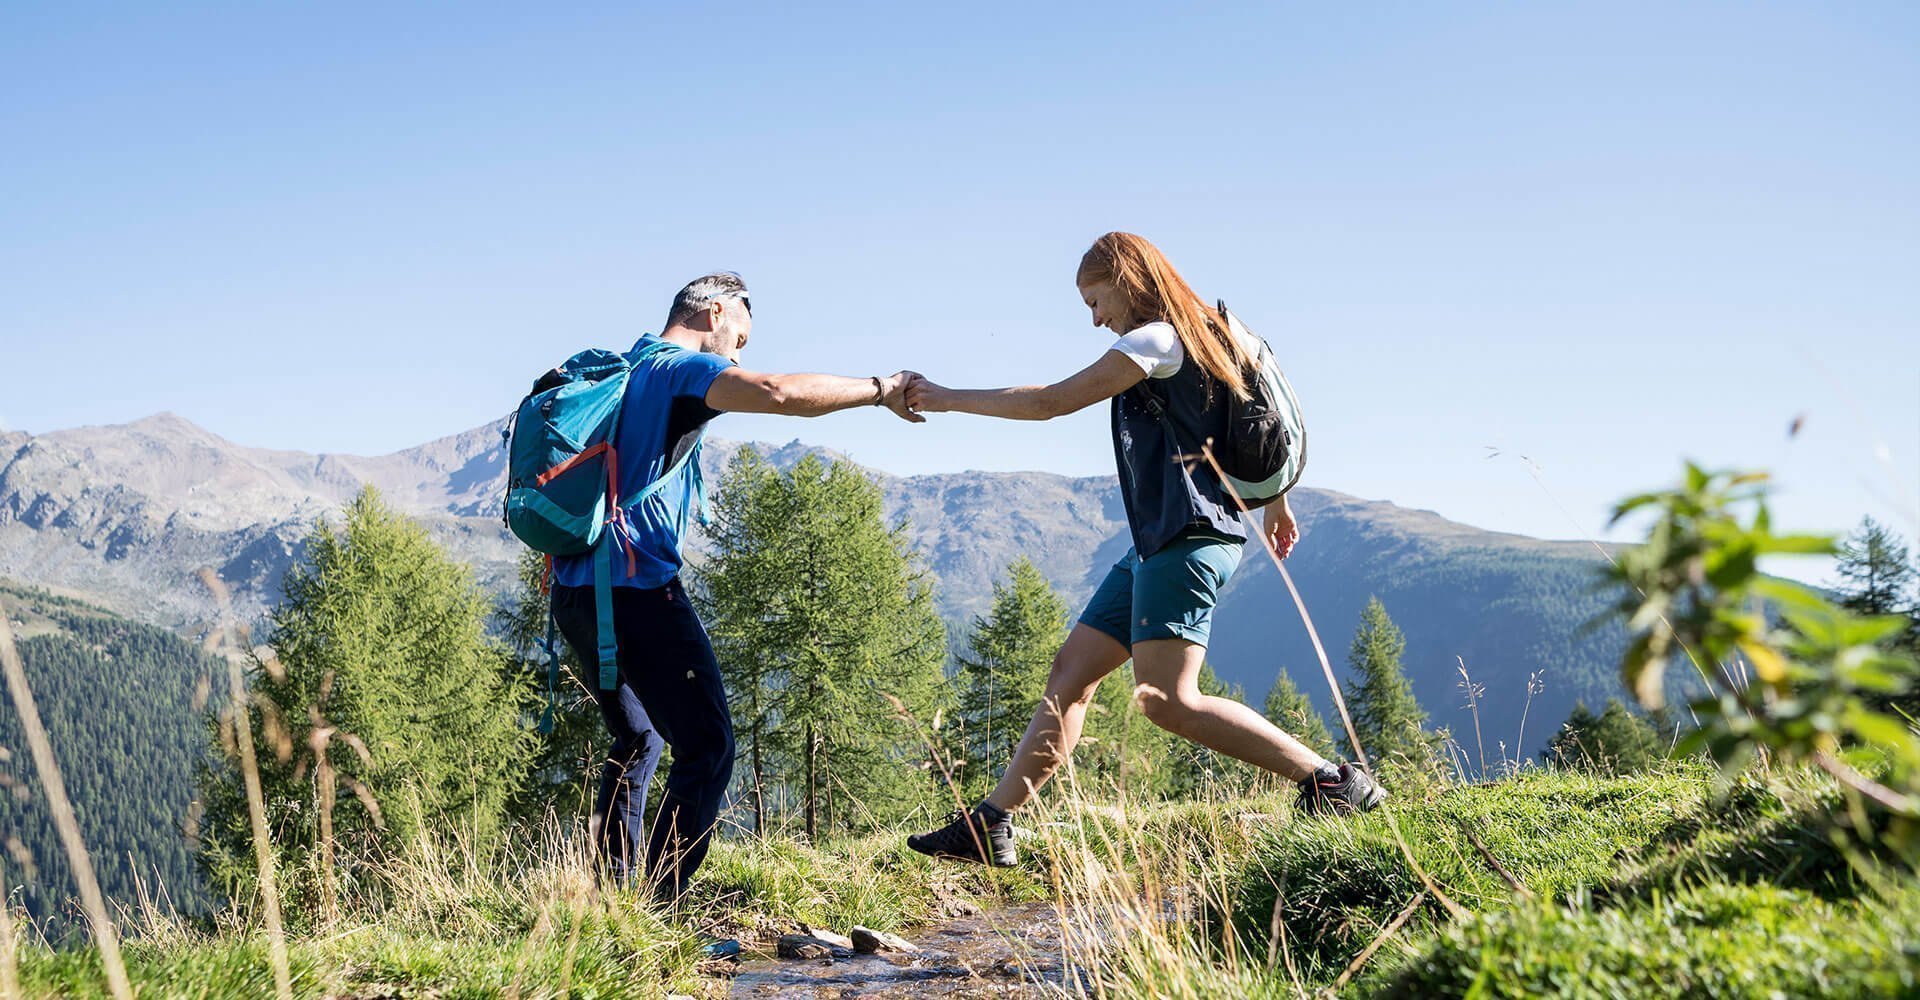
<point>607,653</point>
<point>647,351</point>
<point>689,457</point>
<point>1159,411</point>
<point>633,359</point>
<point>644,353</point>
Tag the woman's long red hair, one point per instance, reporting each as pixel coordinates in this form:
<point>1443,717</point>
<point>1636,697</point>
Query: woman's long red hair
<point>1155,291</point>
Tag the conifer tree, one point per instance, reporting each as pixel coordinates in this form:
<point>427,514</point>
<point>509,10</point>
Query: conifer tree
<point>1617,741</point>
<point>128,752</point>
<point>1290,709</point>
<point>1873,565</point>
<point>1878,578</point>
<point>381,661</point>
<point>1003,674</point>
<point>752,512</point>
<point>1388,720</point>
<point>824,624</point>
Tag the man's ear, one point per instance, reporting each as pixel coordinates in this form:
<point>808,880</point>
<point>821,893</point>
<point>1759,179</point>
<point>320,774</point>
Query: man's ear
<point>716,315</point>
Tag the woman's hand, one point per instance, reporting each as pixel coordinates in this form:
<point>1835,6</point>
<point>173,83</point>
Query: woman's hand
<point>926,396</point>
<point>1279,529</point>
<point>893,395</point>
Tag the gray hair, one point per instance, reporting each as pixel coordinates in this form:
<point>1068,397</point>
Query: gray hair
<point>702,292</point>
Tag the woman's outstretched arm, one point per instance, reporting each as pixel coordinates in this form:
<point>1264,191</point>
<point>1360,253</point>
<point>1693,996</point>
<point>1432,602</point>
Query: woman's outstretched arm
<point>1106,378</point>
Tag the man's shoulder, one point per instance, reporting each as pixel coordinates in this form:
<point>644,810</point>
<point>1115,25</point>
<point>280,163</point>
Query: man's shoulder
<point>651,352</point>
<point>666,370</point>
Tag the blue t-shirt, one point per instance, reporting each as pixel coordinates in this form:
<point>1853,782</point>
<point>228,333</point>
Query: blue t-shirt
<point>662,417</point>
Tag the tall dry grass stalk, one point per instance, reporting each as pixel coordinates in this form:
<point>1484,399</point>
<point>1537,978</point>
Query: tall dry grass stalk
<point>1319,648</point>
<point>151,918</point>
<point>1473,705</point>
<point>321,735</point>
<point>1535,685</point>
<point>1393,927</point>
<point>1147,908</point>
<point>1145,900</point>
<point>256,799</point>
<point>1339,701</point>
<point>55,786</point>
<point>9,945</point>
<point>262,842</point>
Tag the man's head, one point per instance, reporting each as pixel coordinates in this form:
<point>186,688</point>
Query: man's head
<point>714,310</point>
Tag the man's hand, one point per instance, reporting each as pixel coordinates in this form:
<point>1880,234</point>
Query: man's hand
<point>926,396</point>
<point>1279,529</point>
<point>893,394</point>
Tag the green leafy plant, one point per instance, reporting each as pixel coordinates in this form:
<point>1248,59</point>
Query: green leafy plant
<point>1789,673</point>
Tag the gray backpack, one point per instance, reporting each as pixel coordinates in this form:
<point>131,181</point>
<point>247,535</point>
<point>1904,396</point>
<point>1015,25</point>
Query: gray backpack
<point>1266,444</point>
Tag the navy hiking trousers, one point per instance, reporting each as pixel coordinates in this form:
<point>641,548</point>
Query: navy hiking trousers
<point>619,810</point>
<point>667,666</point>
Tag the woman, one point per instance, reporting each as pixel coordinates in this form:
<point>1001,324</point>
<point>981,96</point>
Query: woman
<point>1156,604</point>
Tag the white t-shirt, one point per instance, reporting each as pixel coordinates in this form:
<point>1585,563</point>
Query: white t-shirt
<point>1155,348</point>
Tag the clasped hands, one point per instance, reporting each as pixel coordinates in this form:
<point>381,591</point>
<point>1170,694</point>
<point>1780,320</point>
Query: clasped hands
<point>909,394</point>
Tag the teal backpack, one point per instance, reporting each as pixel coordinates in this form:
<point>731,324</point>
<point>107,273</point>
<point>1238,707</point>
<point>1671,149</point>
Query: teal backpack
<point>563,483</point>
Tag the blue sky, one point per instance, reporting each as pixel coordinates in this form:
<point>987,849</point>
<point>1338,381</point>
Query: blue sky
<point>1602,237</point>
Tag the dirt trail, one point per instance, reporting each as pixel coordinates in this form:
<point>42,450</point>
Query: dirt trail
<point>1012,951</point>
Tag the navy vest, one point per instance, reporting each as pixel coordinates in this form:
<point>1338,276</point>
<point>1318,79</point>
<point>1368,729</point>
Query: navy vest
<point>1165,496</point>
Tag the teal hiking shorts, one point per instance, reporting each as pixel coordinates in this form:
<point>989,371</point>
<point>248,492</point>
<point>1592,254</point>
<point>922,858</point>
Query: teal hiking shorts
<point>1168,595</point>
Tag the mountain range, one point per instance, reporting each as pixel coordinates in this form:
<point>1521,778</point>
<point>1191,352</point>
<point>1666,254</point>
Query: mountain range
<point>126,515</point>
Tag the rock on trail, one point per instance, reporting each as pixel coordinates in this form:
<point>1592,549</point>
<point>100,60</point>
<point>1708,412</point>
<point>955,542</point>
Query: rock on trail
<point>1010,952</point>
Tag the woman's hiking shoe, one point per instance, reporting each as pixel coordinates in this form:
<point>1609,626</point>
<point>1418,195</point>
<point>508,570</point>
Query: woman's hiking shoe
<point>1343,789</point>
<point>983,835</point>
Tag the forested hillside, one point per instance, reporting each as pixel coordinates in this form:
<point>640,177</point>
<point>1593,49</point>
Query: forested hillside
<point>122,705</point>
<point>1522,615</point>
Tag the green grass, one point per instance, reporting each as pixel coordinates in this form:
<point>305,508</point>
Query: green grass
<point>603,947</point>
<point>873,881</point>
<point>538,926</point>
<point>1651,885</point>
<point>1344,879</point>
<point>1718,939</point>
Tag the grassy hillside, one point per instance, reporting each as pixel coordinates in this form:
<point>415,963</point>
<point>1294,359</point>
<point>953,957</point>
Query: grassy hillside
<point>1642,886</point>
<point>1665,886</point>
<point>1565,884</point>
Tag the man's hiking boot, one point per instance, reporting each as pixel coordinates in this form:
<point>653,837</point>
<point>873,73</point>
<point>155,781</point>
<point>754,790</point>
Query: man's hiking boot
<point>983,835</point>
<point>1343,789</point>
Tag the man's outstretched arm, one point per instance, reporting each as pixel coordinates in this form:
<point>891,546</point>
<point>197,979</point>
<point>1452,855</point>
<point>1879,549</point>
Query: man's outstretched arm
<point>739,391</point>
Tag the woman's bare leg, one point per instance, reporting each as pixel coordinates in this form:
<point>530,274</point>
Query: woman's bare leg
<point>1168,673</point>
<point>1087,657</point>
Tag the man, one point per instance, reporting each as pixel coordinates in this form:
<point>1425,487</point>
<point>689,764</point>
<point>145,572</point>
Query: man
<point>670,681</point>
